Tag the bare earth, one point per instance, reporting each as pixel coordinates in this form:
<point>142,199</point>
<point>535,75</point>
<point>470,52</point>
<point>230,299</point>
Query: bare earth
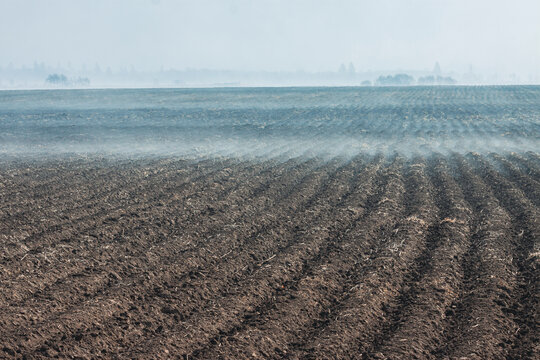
<point>379,257</point>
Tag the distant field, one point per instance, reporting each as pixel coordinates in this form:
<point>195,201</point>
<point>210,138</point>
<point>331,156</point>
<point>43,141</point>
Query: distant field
<point>271,223</point>
<point>268,122</point>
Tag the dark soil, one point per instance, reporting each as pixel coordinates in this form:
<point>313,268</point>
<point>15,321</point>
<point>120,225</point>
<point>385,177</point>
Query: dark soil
<point>371,257</point>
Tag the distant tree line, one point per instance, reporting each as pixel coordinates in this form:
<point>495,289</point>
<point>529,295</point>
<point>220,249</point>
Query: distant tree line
<point>62,80</point>
<point>398,79</point>
<point>57,79</point>
<point>405,80</point>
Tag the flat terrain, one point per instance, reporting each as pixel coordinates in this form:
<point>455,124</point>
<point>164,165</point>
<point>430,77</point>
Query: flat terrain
<point>312,223</point>
<point>371,256</point>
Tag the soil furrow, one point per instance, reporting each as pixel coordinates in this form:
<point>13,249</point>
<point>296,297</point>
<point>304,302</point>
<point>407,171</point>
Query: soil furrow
<point>436,281</point>
<point>525,164</point>
<point>526,232</point>
<point>129,233</point>
<point>527,184</point>
<point>480,326</point>
<point>89,211</point>
<point>358,317</point>
<point>533,159</point>
<point>293,294</point>
<point>85,249</point>
<point>192,294</point>
<point>92,192</point>
<point>143,277</point>
<point>45,179</point>
<point>100,217</point>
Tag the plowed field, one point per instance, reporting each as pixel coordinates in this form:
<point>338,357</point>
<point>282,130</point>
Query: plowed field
<point>355,254</point>
<point>381,257</point>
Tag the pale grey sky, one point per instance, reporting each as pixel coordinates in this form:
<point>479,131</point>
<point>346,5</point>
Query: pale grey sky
<point>314,35</point>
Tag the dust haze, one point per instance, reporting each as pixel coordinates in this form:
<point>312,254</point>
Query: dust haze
<point>145,43</point>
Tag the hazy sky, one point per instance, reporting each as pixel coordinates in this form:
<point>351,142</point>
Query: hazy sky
<point>314,35</point>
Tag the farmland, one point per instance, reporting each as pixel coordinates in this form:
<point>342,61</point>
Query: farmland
<point>280,223</point>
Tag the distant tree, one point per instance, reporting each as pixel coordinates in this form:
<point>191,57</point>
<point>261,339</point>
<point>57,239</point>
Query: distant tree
<point>342,69</point>
<point>366,83</point>
<point>396,80</point>
<point>383,80</point>
<point>81,81</point>
<point>57,79</point>
<point>403,79</point>
<point>351,70</point>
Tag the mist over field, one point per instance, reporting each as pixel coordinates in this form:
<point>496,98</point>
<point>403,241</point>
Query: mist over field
<point>271,122</point>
